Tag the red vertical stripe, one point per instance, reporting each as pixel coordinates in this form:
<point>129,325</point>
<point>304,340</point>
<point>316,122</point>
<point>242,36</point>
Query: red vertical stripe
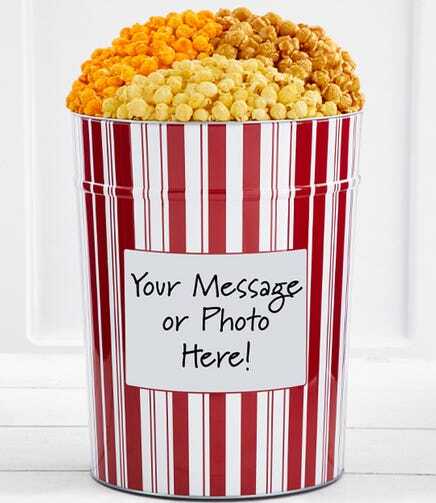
<point>126,240</point>
<point>248,443</point>
<point>339,272</point>
<point>176,187</point>
<point>217,187</point>
<point>217,244</point>
<point>315,300</point>
<point>180,443</point>
<point>177,234</point>
<point>301,224</point>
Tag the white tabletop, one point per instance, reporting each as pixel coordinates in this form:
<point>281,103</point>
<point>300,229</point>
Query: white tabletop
<point>390,446</point>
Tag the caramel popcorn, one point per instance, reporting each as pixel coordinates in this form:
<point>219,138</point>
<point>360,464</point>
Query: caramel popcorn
<point>235,90</point>
<point>301,50</point>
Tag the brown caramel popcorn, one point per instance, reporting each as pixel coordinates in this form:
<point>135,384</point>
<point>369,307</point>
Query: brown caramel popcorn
<point>303,51</point>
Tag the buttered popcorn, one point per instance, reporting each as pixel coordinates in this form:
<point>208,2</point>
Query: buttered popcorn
<point>219,89</point>
<point>232,65</point>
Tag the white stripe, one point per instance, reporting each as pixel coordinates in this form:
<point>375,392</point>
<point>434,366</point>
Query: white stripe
<point>265,187</point>
<point>161,442</point>
<point>165,188</point>
<point>138,200</point>
<point>233,444</point>
<point>195,418</point>
<point>283,184</point>
<point>156,216</point>
<point>286,437</point>
<point>234,180</point>
<point>206,446</point>
<point>145,440</point>
<point>193,187</point>
<point>170,444</point>
<point>277,441</point>
<point>273,183</point>
<point>292,184</point>
<point>145,183</point>
<point>205,193</point>
<point>261,461</point>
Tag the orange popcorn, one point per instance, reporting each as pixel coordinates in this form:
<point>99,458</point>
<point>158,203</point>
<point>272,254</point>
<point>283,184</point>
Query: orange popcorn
<point>141,49</point>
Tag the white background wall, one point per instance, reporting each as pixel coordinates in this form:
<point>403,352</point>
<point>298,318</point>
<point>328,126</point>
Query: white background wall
<point>43,42</point>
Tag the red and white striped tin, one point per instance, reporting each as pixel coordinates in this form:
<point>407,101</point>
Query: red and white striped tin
<point>218,188</point>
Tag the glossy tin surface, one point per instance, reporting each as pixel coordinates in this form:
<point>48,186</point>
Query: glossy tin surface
<point>218,189</point>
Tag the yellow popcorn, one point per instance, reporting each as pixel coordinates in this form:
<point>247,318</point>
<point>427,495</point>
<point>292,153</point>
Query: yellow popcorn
<point>301,109</point>
<point>201,114</point>
<point>162,112</point>
<point>156,78</point>
<point>197,100</point>
<point>180,98</point>
<point>163,94</point>
<point>183,112</point>
<point>208,89</point>
<point>175,83</point>
<point>133,91</point>
<point>288,94</point>
<point>329,108</point>
<point>220,112</point>
<point>269,94</point>
<point>123,112</point>
<point>239,110</point>
<point>139,108</point>
<point>278,111</point>
<point>260,102</point>
<point>226,85</point>
<point>260,114</point>
<point>227,99</point>
<point>110,106</point>
<point>239,90</point>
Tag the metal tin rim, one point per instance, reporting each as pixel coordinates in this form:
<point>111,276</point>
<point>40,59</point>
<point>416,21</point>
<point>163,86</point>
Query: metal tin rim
<point>283,121</point>
<point>218,498</point>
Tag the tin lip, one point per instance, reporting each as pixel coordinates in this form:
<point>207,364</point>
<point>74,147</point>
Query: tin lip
<point>185,123</point>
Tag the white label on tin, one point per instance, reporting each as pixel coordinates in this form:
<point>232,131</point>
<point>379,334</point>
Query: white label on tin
<point>209,323</point>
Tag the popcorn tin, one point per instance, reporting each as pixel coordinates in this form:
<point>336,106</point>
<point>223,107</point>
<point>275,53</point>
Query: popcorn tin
<point>216,266</point>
